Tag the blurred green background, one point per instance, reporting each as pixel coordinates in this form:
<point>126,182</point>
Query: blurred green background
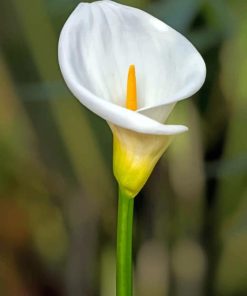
<point>57,192</point>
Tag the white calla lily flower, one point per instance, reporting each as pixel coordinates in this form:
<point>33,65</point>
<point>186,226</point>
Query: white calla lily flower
<point>97,45</point>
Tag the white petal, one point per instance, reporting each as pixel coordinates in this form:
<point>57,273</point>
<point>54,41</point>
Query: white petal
<point>98,43</point>
<point>159,113</point>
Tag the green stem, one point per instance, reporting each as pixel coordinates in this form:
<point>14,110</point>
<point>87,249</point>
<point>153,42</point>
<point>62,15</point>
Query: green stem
<point>124,244</point>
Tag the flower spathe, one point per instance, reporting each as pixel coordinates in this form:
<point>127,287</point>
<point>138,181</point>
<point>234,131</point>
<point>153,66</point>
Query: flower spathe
<point>98,43</point>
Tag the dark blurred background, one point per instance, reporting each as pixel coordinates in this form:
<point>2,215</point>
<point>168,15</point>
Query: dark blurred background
<point>58,196</point>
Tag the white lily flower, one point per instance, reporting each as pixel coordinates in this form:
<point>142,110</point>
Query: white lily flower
<point>97,45</point>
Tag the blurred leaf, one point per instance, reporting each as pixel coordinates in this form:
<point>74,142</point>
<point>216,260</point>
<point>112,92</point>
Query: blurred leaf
<point>42,90</point>
<point>179,14</point>
<point>185,159</point>
<point>152,274</point>
<point>234,73</point>
<point>189,277</point>
<point>219,16</point>
<point>48,232</point>
<point>73,126</point>
<point>14,227</point>
<point>14,124</point>
<point>135,3</point>
<point>232,203</point>
<point>232,272</point>
<point>108,272</point>
<point>205,38</point>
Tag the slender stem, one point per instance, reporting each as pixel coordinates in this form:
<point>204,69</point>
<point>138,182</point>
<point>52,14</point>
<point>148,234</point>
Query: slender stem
<point>124,244</point>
